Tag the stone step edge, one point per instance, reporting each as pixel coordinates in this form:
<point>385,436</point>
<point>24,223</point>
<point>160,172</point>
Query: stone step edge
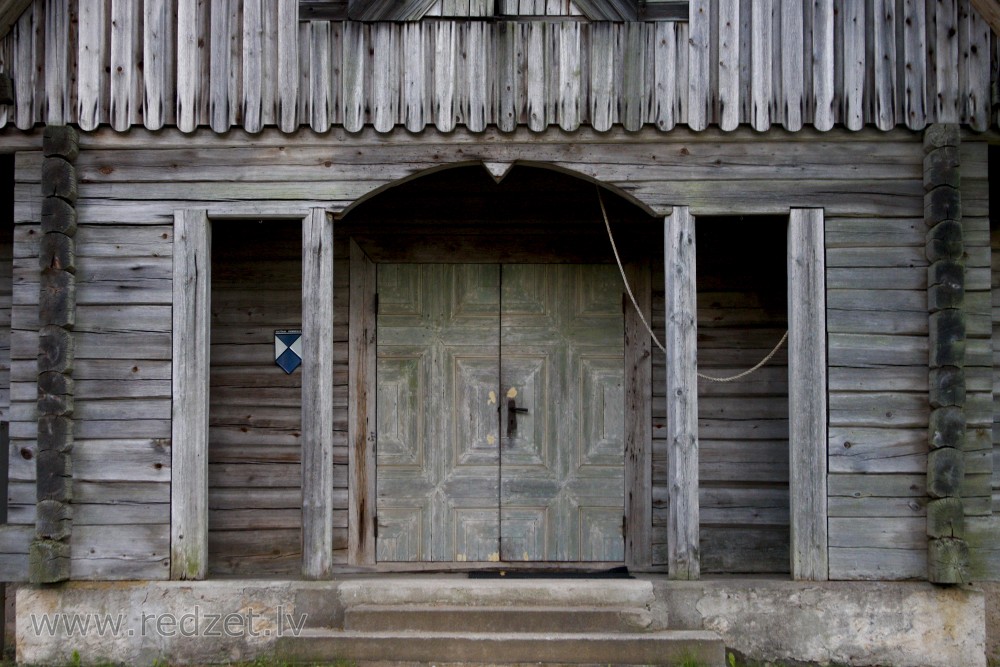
<point>653,635</point>
<point>419,647</point>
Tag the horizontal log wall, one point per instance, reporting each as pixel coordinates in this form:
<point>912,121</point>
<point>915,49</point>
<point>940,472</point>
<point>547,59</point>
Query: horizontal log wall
<point>878,376</point>
<point>870,185</point>
<point>885,63</point>
<point>254,442</point>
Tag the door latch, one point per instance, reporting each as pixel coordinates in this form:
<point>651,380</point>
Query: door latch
<point>512,411</point>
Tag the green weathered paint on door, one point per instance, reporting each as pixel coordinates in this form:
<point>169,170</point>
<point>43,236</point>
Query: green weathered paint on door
<point>452,483</point>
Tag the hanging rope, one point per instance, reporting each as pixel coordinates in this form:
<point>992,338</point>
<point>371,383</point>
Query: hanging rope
<point>638,310</point>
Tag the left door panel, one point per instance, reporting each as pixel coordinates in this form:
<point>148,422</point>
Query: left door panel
<point>437,373</point>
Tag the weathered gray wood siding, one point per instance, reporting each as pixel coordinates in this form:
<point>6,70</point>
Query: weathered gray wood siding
<point>6,278</point>
<point>742,425</point>
<point>981,493</point>
<point>216,64</point>
<point>977,494</point>
<point>878,379</point>
<point>122,369</point>
<point>255,486</point>
<point>870,185</point>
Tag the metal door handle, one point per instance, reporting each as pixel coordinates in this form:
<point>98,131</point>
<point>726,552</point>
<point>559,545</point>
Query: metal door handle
<point>512,411</point>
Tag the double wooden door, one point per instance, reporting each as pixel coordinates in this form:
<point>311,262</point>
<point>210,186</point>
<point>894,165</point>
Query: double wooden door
<point>500,429</point>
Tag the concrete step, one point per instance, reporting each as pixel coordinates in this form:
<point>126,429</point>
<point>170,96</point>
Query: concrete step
<point>499,648</point>
<point>431,618</point>
<point>463,592</point>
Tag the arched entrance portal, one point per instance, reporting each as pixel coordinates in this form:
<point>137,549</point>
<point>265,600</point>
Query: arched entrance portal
<point>494,388</point>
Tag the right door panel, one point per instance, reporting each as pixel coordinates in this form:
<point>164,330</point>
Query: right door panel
<point>562,451</point>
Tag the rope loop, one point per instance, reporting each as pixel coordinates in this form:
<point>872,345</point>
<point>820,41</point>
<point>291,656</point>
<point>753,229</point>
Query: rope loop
<point>638,310</point>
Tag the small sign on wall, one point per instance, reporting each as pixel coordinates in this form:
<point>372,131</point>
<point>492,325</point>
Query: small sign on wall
<point>288,349</point>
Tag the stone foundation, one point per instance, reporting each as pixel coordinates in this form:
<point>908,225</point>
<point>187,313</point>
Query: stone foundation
<point>858,623</point>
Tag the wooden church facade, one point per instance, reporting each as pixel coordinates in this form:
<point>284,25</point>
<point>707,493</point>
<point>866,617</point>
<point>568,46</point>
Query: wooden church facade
<point>422,189</point>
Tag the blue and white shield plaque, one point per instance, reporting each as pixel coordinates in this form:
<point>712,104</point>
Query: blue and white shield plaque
<point>288,349</point>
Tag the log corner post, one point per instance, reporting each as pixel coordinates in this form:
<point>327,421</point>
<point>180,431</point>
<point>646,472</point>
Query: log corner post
<point>49,559</point>
<point>683,519</point>
<point>947,549</point>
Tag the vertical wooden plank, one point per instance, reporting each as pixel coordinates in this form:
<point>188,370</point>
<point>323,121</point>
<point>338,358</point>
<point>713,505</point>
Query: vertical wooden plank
<point>760,65</point>
<point>187,65</point>
<point>319,76</point>
<point>884,29</point>
<point>25,72</point>
<point>303,107</point>
<point>946,60</point>
<point>154,63</point>
<point>570,84</point>
<point>269,65</point>
<point>729,64</point>
<point>602,69</point>
<point>122,32</point>
<point>634,75</point>
<point>699,89</point>
<point>478,75</point>
<point>854,64</point>
<point>235,87</point>
<point>791,64</point>
<point>317,395</point>
<point>385,75</point>
<point>807,394</point>
<point>361,411</point>
<point>638,420</point>
<point>822,64</point>
<point>665,75</point>
<point>56,62</point>
<point>976,68</point>
<point>914,64</point>
<point>777,102</point>
<point>253,38</point>
<point>683,560</point>
<point>90,69</point>
<point>288,60</point>
<point>550,48</point>
<point>414,89</point>
<point>202,26</point>
<point>683,67</point>
<point>444,75</point>
<point>507,83</point>
<point>219,72</point>
<point>536,75</point>
<point>355,50</point>
<point>192,254</point>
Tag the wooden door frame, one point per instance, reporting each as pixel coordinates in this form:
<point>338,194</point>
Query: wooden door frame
<point>191,326</point>
<point>362,507</point>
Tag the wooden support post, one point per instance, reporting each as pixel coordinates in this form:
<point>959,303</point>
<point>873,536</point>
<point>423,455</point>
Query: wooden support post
<point>638,420</point>
<point>807,386</point>
<point>361,409</point>
<point>317,395</point>
<point>683,560</point>
<point>189,431</point>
